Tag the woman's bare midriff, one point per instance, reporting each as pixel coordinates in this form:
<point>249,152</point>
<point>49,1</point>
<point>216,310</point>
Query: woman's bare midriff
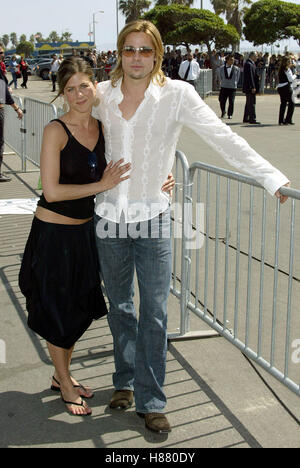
<point>50,217</point>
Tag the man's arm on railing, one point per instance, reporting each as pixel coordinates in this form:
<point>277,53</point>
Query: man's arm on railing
<point>194,113</point>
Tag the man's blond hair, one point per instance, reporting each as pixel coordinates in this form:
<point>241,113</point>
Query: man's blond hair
<point>146,27</point>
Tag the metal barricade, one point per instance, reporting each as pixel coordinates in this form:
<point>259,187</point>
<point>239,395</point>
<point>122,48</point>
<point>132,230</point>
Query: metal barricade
<point>37,115</point>
<point>14,130</point>
<point>245,282</point>
<point>204,83</point>
<point>240,276</point>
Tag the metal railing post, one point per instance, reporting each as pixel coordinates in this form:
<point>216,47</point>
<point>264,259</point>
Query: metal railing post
<point>186,261</point>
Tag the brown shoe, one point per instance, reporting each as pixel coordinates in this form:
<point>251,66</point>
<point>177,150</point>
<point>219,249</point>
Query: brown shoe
<point>156,422</point>
<point>121,400</point>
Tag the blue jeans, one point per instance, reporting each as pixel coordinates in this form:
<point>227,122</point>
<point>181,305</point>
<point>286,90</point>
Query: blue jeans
<point>14,80</point>
<point>140,346</point>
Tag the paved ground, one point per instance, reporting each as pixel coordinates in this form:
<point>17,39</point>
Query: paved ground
<point>216,398</point>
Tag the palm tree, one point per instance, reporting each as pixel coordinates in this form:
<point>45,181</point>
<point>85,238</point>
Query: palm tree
<point>53,37</point>
<point>39,37</point>
<point>234,11</point>
<point>5,40</point>
<point>66,36</point>
<point>13,39</point>
<point>133,9</point>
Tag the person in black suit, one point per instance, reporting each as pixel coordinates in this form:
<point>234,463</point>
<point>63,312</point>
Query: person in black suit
<point>250,88</point>
<point>285,90</point>
<point>229,75</point>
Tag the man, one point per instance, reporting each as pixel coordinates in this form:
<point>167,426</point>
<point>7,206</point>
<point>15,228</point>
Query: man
<point>5,98</point>
<point>143,113</point>
<point>215,63</point>
<point>230,75</point>
<point>189,70</point>
<point>55,64</point>
<point>250,88</point>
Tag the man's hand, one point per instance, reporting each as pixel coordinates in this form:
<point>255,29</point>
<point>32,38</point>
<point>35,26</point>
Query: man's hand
<point>169,185</point>
<point>20,114</point>
<point>283,198</point>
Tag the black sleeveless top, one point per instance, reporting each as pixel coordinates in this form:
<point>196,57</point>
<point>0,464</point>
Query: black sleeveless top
<point>282,77</point>
<point>78,166</point>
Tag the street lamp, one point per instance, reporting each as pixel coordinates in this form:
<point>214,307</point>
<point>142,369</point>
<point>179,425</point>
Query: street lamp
<point>117,15</point>
<point>94,24</point>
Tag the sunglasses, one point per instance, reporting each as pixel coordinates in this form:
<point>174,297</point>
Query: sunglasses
<point>1,53</point>
<point>130,51</point>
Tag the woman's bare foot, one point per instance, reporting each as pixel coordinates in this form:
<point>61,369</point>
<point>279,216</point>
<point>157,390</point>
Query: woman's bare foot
<point>82,391</point>
<point>74,403</point>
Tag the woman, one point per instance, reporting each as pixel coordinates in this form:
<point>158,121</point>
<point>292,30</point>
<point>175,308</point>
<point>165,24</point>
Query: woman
<point>285,91</point>
<point>14,69</point>
<point>272,71</point>
<point>24,70</point>
<point>59,275</point>
<point>5,99</point>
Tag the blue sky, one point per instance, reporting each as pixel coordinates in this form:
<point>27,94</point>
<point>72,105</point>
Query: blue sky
<point>75,16</point>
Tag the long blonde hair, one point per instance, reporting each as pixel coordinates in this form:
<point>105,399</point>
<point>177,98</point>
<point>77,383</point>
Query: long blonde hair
<point>148,28</point>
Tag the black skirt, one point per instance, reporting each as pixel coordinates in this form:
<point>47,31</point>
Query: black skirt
<point>60,279</point>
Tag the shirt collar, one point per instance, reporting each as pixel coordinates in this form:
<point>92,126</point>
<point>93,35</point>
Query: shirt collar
<point>153,90</point>
<point>117,95</point>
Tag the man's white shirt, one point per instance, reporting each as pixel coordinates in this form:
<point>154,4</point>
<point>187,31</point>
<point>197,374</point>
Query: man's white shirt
<point>149,139</point>
<point>55,66</point>
<point>194,72</point>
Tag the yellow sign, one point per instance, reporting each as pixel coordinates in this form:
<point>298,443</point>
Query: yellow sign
<point>77,45</point>
<point>46,47</point>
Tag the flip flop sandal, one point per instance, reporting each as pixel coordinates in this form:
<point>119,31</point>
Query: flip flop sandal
<point>57,389</point>
<point>75,404</point>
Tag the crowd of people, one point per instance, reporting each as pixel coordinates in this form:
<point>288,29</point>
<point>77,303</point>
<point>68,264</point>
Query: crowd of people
<point>18,69</point>
<point>105,61</point>
<point>267,65</point>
